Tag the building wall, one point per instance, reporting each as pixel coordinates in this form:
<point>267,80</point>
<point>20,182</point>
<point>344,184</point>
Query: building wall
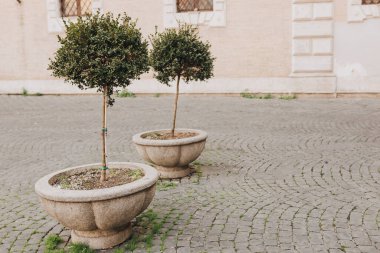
<point>357,40</point>
<point>246,47</point>
<point>255,49</point>
<point>25,44</point>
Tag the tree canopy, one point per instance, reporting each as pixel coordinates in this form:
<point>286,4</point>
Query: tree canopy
<point>181,53</point>
<point>101,51</point>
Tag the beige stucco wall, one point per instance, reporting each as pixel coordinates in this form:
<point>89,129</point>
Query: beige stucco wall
<point>255,42</point>
<point>340,10</point>
<point>25,44</point>
<point>357,58</point>
<point>255,50</point>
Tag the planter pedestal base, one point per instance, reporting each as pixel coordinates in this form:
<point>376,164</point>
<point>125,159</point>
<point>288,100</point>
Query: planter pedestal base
<point>174,172</point>
<point>100,239</point>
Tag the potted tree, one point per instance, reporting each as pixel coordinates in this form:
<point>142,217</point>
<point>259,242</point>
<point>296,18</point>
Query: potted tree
<point>177,54</point>
<point>98,201</point>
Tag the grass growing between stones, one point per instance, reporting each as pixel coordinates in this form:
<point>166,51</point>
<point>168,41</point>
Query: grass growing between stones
<point>249,95</point>
<point>125,94</point>
<point>24,92</point>
<point>166,185</point>
<point>148,227</point>
<point>52,242</point>
<point>80,248</point>
<point>197,166</point>
<point>288,97</point>
<point>132,243</point>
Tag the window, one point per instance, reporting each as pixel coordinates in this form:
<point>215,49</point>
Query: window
<point>370,1</point>
<point>211,13</point>
<point>194,5</point>
<point>71,8</point>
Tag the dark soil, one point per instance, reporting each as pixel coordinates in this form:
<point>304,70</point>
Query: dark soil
<point>166,135</point>
<point>89,179</point>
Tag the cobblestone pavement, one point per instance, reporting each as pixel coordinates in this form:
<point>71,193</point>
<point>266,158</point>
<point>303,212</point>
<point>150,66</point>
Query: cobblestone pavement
<point>276,176</point>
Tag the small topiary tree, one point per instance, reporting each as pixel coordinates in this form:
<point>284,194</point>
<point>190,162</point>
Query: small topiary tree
<point>102,52</point>
<point>180,54</point>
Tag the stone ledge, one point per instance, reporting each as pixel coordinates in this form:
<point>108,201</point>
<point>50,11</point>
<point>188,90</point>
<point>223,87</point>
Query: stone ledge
<point>357,12</point>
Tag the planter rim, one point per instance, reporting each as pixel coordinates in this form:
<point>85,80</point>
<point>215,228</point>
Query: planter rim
<point>202,135</point>
<point>47,191</point>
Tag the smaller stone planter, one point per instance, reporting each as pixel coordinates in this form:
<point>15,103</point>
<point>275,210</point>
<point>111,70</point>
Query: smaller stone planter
<point>171,157</point>
<point>100,218</point>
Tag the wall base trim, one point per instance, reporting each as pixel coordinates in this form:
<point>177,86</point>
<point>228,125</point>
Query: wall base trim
<point>328,85</point>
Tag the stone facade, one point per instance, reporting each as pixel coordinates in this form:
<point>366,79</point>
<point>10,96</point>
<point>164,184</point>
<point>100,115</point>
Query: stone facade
<point>312,37</point>
<point>302,46</point>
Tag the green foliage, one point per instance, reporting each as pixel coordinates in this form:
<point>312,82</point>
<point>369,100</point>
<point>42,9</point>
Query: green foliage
<point>343,248</point>
<point>156,227</point>
<point>136,174</point>
<point>132,243</point>
<point>52,241</point>
<point>102,52</point>
<point>288,97</point>
<point>249,95</point>
<point>55,251</point>
<point>267,96</point>
<point>149,240</point>
<point>149,215</point>
<point>165,185</point>
<point>24,92</point>
<point>180,53</point>
<point>80,248</point>
<point>126,94</point>
<point>149,227</point>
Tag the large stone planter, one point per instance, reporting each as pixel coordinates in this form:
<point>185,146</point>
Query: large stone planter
<point>171,157</point>
<point>100,218</point>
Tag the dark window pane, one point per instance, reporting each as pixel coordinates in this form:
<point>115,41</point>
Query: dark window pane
<point>371,1</point>
<point>76,7</point>
<point>194,5</point>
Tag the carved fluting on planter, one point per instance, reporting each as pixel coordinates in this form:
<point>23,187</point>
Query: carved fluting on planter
<point>100,218</point>
<point>171,157</point>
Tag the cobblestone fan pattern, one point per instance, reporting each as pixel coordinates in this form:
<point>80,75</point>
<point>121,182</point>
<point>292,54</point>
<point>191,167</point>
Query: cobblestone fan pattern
<point>276,176</point>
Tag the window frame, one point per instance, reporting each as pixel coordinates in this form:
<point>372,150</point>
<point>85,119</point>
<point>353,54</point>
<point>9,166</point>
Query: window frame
<point>215,18</point>
<point>195,9</point>
<point>364,2</point>
<point>78,9</point>
<point>55,20</point>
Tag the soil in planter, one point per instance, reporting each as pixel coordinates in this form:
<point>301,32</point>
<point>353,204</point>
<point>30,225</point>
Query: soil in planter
<point>89,179</point>
<point>166,135</point>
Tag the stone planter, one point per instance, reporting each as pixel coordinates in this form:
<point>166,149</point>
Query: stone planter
<point>100,218</point>
<point>171,157</point>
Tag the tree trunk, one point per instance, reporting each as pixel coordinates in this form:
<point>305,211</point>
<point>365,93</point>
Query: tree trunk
<point>103,176</point>
<point>175,105</point>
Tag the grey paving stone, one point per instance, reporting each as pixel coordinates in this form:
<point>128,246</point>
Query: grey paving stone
<point>277,176</point>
